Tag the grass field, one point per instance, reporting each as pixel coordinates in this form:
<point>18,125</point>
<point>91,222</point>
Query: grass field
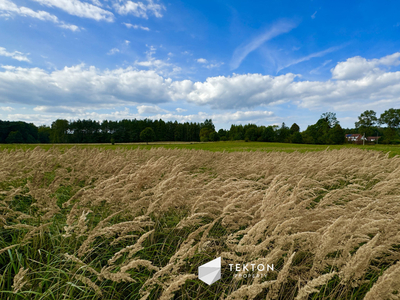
<point>95,222</point>
<point>229,146</point>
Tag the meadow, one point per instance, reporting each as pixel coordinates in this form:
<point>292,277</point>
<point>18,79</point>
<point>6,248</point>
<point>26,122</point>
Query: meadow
<point>136,221</point>
<point>228,146</point>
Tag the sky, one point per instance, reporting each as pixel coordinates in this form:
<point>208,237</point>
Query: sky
<point>236,62</point>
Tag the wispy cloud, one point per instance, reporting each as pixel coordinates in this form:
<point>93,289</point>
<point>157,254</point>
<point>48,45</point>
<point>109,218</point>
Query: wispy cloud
<point>310,56</point>
<point>313,15</point>
<point>317,69</point>
<point>113,51</point>
<point>139,9</point>
<point>135,26</point>
<point>9,9</point>
<point>243,50</point>
<point>80,9</point>
<point>15,55</point>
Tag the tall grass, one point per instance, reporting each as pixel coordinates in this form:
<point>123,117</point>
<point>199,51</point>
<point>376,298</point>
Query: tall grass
<point>136,224</point>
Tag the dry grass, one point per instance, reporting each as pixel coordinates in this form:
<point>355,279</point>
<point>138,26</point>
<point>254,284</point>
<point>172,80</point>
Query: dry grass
<point>137,224</point>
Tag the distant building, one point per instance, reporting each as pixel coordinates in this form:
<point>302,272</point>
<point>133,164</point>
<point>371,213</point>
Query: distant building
<point>355,138</point>
<point>358,138</point>
<point>373,139</point>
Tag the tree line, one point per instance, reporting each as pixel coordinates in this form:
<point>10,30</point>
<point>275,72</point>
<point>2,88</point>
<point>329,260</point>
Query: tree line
<point>326,130</point>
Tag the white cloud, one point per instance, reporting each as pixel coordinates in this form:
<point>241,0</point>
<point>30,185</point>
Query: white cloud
<point>139,9</point>
<point>113,51</point>
<point>81,86</point>
<point>6,108</point>
<point>243,50</point>
<point>15,55</point>
<point>135,26</point>
<point>97,2</point>
<point>80,9</point>
<point>69,26</point>
<point>202,61</point>
<point>179,110</point>
<point>11,9</point>
<point>358,67</point>
<point>161,66</point>
<point>216,65</point>
<point>150,109</point>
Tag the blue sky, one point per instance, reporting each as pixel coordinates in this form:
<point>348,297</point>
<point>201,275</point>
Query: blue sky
<point>266,62</point>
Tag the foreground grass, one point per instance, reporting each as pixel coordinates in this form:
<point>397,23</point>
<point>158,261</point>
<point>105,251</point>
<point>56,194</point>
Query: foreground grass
<point>229,146</point>
<point>99,224</point>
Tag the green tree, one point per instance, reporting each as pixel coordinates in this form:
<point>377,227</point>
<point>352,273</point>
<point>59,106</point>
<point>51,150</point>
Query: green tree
<point>366,122</point>
<point>251,134</point>
<point>268,134</point>
<point>205,134</point>
<point>147,135</point>
<point>330,118</point>
<point>294,128</point>
<point>391,118</point>
<point>296,138</point>
<point>44,133</point>
<point>214,136</point>
<point>59,130</point>
<point>336,135</point>
<point>14,137</point>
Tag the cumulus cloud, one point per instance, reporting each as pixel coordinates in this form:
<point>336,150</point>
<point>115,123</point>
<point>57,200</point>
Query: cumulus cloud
<point>139,9</point>
<point>150,109</point>
<point>80,9</point>
<point>359,67</point>
<point>6,108</point>
<point>135,26</point>
<point>202,61</point>
<point>80,86</point>
<point>15,55</point>
<point>243,50</point>
<point>237,91</point>
<point>11,9</point>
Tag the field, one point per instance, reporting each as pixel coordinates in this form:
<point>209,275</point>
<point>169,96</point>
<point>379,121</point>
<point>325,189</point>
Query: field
<point>229,146</point>
<point>111,222</point>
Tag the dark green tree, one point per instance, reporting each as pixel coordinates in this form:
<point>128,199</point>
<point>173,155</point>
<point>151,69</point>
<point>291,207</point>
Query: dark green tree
<point>268,134</point>
<point>336,135</point>
<point>147,135</point>
<point>251,133</point>
<point>205,133</point>
<point>44,133</point>
<point>330,118</point>
<point>15,137</point>
<point>59,129</point>
<point>366,122</point>
<point>214,136</point>
<point>296,138</point>
<point>294,128</point>
<point>391,118</point>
